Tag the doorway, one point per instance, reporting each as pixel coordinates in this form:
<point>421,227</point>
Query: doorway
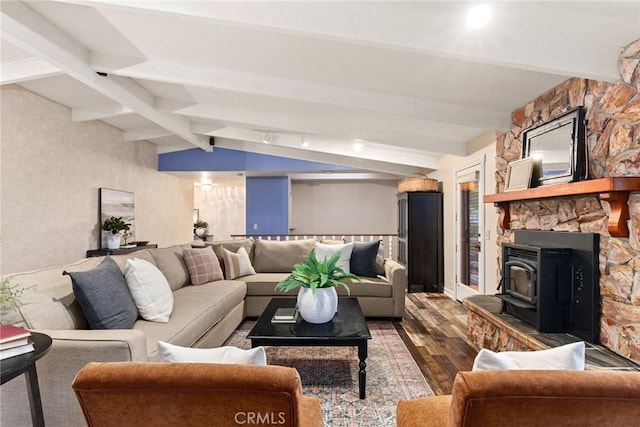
<point>469,230</point>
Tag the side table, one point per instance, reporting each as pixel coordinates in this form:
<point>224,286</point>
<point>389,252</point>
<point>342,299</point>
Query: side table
<point>26,364</point>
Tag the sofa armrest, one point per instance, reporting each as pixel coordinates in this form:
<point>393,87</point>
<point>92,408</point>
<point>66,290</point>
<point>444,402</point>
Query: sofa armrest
<point>69,352</point>
<point>396,274</point>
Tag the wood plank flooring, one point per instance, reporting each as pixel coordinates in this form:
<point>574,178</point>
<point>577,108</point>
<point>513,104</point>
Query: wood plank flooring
<point>434,330</point>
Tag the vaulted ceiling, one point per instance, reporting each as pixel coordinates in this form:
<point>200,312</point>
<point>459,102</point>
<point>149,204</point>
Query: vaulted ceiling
<point>407,81</point>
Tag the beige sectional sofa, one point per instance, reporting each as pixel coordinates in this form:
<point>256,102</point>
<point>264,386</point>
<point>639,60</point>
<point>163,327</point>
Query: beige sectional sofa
<point>203,316</point>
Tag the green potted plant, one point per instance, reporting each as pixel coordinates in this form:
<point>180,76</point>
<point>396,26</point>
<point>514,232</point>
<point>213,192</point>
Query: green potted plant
<point>9,295</point>
<point>200,228</point>
<point>115,225</point>
<point>317,298</point>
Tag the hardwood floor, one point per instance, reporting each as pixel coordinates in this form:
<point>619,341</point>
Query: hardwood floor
<point>434,329</point>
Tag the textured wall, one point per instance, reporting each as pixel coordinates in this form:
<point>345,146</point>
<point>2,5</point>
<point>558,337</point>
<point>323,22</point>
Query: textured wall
<point>613,134</point>
<point>223,206</point>
<point>51,171</point>
<point>344,207</point>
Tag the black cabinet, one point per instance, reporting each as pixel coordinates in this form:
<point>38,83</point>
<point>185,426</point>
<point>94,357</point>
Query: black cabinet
<point>420,240</point>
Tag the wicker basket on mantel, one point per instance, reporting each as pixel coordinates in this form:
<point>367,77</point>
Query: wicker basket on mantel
<point>421,183</point>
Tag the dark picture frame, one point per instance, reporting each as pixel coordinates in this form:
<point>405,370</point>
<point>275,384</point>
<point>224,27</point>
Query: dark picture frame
<point>559,145</point>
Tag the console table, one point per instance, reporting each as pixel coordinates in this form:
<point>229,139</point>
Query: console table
<point>121,251</point>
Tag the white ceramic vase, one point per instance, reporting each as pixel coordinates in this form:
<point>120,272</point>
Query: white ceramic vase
<point>318,307</point>
<point>113,241</point>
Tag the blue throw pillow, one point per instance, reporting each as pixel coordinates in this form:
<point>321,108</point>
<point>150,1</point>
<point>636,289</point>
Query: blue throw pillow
<point>104,296</point>
<point>363,258</point>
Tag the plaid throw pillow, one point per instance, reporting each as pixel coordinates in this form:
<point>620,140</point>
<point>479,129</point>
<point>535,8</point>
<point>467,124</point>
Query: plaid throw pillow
<point>203,265</point>
<point>238,264</point>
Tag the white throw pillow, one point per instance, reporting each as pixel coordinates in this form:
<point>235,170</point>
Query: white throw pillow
<point>233,355</point>
<point>324,251</point>
<point>150,290</point>
<point>238,264</point>
<point>567,357</point>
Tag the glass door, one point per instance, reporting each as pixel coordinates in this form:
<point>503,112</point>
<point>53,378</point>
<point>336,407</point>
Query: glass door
<point>469,226</point>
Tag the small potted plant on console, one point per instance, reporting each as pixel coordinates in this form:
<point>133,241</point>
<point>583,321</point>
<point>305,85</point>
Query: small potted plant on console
<point>115,226</point>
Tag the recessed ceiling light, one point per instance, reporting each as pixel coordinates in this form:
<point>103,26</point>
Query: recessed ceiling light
<point>478,16</point>
<point>304,141</point>
<point>358,145</point>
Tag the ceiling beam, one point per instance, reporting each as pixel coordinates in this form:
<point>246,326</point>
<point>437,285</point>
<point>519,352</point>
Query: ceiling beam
<point>31,32</point>
<point>181,74</point>
<point>360,163</point>
<point>145,134</point>
<point>321,146</point>
<point>25,70</point>
<point>312,119</point>
<point>99,112</point>
<point>431,29</point>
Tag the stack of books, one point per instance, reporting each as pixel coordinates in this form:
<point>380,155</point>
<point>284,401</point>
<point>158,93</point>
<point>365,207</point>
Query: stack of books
<point>14,341</point>
<point>285,315</point>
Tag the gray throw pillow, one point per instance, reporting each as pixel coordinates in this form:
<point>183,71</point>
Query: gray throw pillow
<point>363,258</point>
<point>104,296</point>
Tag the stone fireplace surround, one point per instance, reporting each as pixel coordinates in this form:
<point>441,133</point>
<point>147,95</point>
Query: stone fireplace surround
<point>613,145</point>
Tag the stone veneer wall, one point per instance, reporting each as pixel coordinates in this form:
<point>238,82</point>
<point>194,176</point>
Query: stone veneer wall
<point>613,139</point>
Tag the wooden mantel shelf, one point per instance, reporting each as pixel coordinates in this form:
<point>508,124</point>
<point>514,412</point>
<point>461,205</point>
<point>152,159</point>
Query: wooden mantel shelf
<point>614,190</point>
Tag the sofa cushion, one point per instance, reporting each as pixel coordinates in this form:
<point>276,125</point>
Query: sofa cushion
<point>104,296</point>
<point>203,265</point>
<point>176,354</point>
<point>270,256</point>
<point>325,252</point>
<point>237,264</point>
<point>149,289</point>
<point>144,254</point>
<point>171,262</point>
<point>363,258</point>
<point>231,245</point>
<point>265,283</point>
<point>47,300</point>
<point>369,287</point>
<point>196,310</point>
<point>566,357</point>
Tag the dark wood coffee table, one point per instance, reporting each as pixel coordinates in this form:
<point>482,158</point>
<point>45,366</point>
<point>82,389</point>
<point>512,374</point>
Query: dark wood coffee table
<point>26,364</point>
<point>348,328</point>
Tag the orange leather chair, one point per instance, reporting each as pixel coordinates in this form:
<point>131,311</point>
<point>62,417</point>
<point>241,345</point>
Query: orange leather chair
<point>530,398</point>
<point>193,394</point>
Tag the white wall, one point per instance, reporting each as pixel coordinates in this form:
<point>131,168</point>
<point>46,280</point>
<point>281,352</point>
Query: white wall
<point>344,207</point>
<point>52,169</point>
<point>223,206</point>
<point>447,166</point>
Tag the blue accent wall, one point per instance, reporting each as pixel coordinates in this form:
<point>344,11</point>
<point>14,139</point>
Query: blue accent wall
<point>267,205</point>
<point>227,160</point>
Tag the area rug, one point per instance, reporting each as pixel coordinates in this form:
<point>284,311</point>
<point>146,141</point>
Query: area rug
<point>331,374</point>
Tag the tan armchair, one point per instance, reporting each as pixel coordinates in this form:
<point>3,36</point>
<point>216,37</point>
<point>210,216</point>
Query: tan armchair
<point>193,394</point>
<point>530,398</point>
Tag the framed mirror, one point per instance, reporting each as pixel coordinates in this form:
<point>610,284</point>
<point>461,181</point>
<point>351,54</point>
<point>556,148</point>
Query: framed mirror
<point>558,146</point>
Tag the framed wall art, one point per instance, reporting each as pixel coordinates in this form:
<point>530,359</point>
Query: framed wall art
<point>519,173</point>
<point>119,204</point>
